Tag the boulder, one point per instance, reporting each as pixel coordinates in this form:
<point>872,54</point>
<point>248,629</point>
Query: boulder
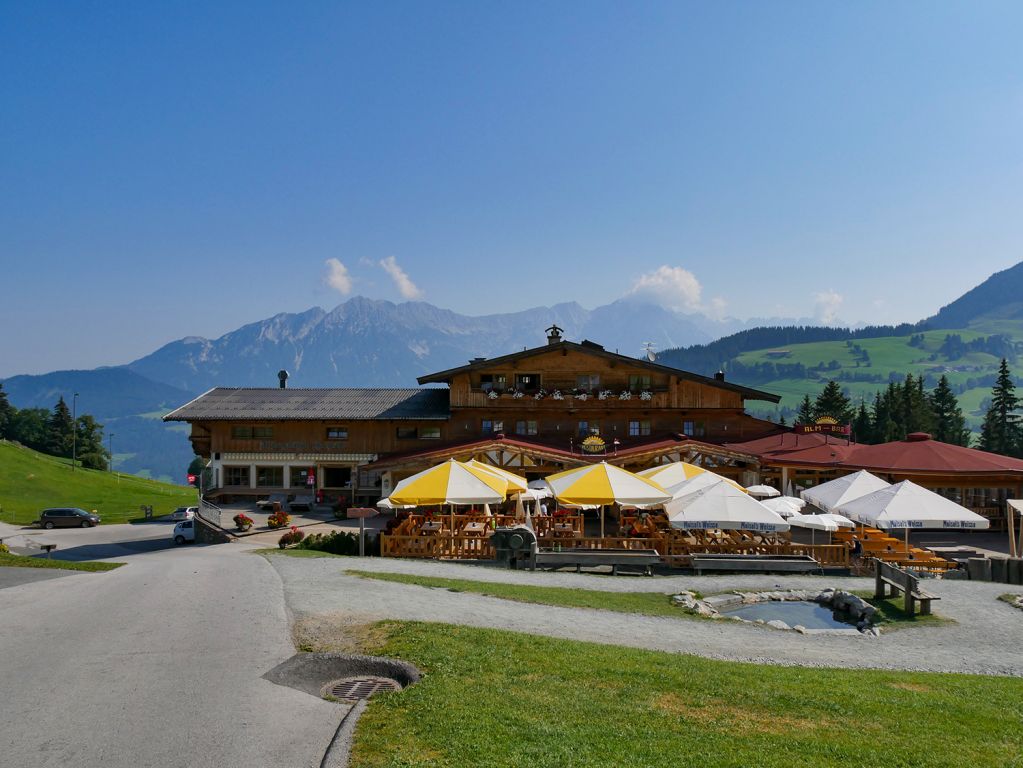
<point>778,624</point>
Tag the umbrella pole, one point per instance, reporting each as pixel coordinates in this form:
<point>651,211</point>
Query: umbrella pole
<point>601,521</point>
<point>907,541</point>
<point>1012,530</point>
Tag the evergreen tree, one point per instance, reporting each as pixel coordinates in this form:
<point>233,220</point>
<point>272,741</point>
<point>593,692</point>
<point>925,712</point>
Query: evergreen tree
<point>834,403</point>
<point>6,415</point>
<point>1001,432</point>
<point>91,452</point>
<point>886,411</point>
<point>29,427</point>
<point>60,431</point>
<point>915,409</point>
<point>862,426</point>
<point>949,422</point>
<point>805,415</point>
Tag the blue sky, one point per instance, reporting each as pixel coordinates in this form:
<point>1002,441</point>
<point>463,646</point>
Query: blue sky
<point>173,169</point>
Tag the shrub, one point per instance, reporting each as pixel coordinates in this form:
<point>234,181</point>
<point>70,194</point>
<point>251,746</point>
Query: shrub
<point>294,536</point>
<point>341,543</point>
<point>279,519</point>
<point>3,548</point>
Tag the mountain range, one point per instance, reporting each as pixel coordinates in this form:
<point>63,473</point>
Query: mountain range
<point>366,342</point>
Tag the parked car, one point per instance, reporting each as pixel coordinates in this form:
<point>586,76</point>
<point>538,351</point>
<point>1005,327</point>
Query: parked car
<point>184,531</point>
<point>67,517</point>
<point>183,513</point>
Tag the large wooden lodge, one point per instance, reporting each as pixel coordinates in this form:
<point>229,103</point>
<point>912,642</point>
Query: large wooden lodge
<point>536,411</point>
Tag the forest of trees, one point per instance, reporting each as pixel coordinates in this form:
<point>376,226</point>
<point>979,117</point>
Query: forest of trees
<point>54,432</point>
<point>908,406</point>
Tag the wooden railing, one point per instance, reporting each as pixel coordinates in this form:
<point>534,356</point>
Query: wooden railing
<point>436,546</point>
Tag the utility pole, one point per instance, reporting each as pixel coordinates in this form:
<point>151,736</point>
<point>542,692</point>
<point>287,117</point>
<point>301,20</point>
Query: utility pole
<point>74,431</point>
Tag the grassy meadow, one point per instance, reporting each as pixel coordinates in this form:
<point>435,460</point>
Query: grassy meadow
<point>32,481</point>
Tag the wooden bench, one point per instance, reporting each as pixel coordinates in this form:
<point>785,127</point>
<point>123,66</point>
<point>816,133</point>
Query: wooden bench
<point>579,557</point>
<point>887,575</point>
<point>754,563</point>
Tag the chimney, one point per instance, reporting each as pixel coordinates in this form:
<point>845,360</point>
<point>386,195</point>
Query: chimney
<point>554,334</point>
<point>719,376</point>
<point>282,377</point>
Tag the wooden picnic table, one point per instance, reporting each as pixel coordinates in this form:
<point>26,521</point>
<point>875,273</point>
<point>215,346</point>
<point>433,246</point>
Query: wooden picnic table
<point>475,529</point>
<point>431,526</point>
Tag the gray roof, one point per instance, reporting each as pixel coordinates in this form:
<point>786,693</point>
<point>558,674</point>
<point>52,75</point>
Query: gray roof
<point>275,404</point>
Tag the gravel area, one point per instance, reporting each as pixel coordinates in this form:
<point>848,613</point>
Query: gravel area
<point>984,640</point>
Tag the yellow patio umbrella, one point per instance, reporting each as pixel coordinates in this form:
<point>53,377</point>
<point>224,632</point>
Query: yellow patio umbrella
<point>450,483</point>
<point>515,482</point>
<point>602,484</point>
<point>679,472</point>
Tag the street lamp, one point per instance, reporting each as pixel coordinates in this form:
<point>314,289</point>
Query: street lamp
<point>110,449</point>
<point>74,431</point>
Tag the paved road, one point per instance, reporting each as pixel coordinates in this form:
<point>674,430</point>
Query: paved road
<point>157,663</point>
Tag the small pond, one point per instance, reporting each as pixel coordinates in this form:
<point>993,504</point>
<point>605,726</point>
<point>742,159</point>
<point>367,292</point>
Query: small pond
<point>809,615</point>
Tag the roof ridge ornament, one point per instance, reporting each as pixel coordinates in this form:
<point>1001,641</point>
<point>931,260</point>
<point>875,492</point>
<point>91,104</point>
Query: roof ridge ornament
<point>554,334</point>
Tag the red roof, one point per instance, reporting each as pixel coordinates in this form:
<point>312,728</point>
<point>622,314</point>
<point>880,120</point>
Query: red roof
<point>917,453</point>
<point>920,453</point>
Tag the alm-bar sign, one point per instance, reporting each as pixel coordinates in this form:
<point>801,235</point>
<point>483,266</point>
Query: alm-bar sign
<point>824,425</point>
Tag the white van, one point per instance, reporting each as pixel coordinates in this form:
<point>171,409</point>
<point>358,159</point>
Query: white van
<point>184,531</point>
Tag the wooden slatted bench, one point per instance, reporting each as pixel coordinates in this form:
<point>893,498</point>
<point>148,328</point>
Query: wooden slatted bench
<point>887,575</point>
<point>754,563</point>
<point>579,557</point>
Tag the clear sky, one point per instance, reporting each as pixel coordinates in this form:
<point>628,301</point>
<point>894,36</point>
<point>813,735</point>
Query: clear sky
<point>173,169</point>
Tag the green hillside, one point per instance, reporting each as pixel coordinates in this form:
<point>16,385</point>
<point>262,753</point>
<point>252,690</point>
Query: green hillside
<point>31,481</point>
<point>864,366</point>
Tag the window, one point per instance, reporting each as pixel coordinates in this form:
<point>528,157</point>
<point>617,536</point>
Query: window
<point>269,477</point>
<point>406,433</point>
<point>587,381</point>
<point>587,428</point>
<point>528,427</point>
<point>430,433</point>
<point>639,428</point>
<point>337,433</point>
<point>236,476</point>
<point>527,382</point>
<point>337,477</point>
<point>692,428</point>
<point>252,433</point>
<point>639,382</point>
<point>493,381</point>
<point>298,477</point>
<point>492,426</point>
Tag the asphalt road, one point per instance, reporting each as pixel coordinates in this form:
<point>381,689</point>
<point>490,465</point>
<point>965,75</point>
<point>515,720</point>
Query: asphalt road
<point>157,663</point>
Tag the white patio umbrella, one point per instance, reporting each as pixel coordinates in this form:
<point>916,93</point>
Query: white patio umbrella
<point>386,503</point>
<point>908,505</point>
<point>763,491</point>
<point>813,522</point>
<point>841,520</point>
<point>678,472</point>
<point>833,494</point>
<point>786,506</point>
<point>723,506</point>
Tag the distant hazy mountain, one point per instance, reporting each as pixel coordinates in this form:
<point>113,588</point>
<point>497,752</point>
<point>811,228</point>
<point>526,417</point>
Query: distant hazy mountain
<point>364,342</point>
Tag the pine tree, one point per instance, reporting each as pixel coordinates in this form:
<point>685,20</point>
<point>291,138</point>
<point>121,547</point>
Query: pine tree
<point>60,431</point>
<point>1001,432</point>
<point>886,407</point>
<point>834,403</point>
<point>805,415</point>
<point>915,409</point>
<point>91,452</point>
<point>6,415</point>
<point>949,422</point>
<point>862,426</point>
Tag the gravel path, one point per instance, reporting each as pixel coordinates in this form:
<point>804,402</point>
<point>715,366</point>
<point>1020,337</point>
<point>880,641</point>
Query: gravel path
<point>988,638</point>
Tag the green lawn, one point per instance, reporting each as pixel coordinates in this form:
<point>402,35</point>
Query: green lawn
<point>501,699</point>
<point>649,603</point>
<point>17,561</point>
<point>31,482</point>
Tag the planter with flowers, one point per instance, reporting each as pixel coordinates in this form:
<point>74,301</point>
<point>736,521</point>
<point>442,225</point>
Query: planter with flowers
<point>278,519</point>
<point>242,521</point>
<point>294,536</point>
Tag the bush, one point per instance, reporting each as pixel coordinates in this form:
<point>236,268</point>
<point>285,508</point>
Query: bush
<point>3,548</point>
<point>279,519</point>
<point>294,536</point>
<point>341,543</point>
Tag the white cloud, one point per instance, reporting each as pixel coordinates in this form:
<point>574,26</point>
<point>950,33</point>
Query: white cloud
<point>402,282</point>
<point>826,305</point>
<point>672,287</point>
<point>338,277</point>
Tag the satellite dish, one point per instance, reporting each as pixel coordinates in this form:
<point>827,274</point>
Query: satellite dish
<point>648,349</point>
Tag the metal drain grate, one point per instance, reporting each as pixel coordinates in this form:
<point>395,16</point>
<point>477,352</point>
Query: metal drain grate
<point>355,688</point>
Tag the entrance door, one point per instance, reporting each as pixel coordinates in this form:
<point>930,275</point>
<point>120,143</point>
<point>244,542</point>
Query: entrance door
<point>337,477</point>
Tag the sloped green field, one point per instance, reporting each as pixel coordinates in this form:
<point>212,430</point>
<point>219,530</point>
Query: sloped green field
<point>31,482</point>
